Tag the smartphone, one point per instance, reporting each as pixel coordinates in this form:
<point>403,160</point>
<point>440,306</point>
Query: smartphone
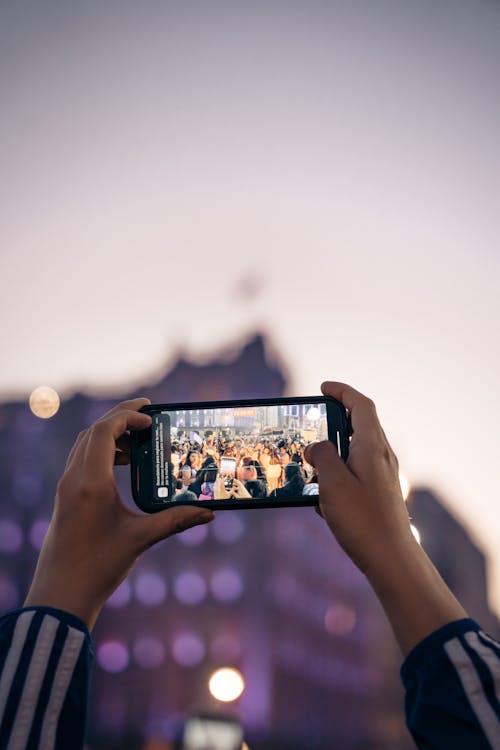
<point>209,439</point>
<point>228,470</point>
<point>212,733</point>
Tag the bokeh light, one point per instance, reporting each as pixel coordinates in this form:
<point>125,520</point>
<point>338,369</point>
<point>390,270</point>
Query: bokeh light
<point>149,652</point>
<point>44,402</point>
<point>11,536</point>
<point>150,589</point>
<point>226,684</point>
<point>226,585</point>
<point>188,649</point>
<point>228,528</point>
<point>340,619</point>
<point>113,656</point>
<point>190,588</point>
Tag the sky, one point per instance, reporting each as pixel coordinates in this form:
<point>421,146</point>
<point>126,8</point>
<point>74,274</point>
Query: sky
<point>179,175</point>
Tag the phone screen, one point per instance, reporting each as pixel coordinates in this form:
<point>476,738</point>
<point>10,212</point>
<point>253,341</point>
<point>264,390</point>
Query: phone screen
<point>236,452</point>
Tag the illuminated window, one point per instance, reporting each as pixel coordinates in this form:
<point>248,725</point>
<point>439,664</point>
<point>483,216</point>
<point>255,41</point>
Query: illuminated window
<point>188,649</point>
<point>226,585</point>
<point>150,589</point>
<point>190,588</point>
<point>113,656</point>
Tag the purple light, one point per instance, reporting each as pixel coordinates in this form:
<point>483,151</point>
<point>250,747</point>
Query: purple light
<point>113,656</point>
<point>228,528</point>
<point>38,531</point>
<point>149,652</point>
<point>340,619</point>
<point>190,588</point>
<point>226,585</point>
<point>193,536</point>
<point>150,589</point>
<point>225,647</point>
<point>11,536</point>
<point>188,649</point>
<point>121,596</point>
<point>9,594</point>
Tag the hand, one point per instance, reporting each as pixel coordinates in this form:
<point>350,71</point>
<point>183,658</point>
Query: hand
<point>361,500</point>
<point>239,491</point>
<point>362,504</point>
<point>94,539</point>
<point>220,491</point>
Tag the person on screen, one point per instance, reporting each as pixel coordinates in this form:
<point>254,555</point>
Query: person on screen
<point>190,467</point>
<point>294,483</point>
<point>207,474</point>
<point>256,488</point>
<point>451,668</point>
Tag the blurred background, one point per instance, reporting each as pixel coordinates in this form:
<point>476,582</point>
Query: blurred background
<point>229,199</point>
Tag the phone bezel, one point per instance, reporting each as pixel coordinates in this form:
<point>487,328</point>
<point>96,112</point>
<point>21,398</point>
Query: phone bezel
<point>337,420</point>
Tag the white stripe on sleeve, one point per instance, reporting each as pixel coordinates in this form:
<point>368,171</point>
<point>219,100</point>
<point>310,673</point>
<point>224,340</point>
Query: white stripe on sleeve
<point>62,678</point>
<point>12,660</point>
<point>489,657</point>
<point>484,637</point>
<point>474,691</point>
<point>33,683</point>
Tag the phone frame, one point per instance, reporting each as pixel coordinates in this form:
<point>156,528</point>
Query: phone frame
<point>141,473</point>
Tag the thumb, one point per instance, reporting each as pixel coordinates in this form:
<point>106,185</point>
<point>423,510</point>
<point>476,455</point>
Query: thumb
<point>171,521</point>
<point>330,468</point>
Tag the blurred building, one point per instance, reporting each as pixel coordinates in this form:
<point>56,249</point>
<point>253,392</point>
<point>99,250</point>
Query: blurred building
<point>458,558</point>
<point>265,591</point>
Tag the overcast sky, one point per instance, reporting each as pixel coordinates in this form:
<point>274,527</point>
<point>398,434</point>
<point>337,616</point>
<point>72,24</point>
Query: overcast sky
<point>159,160</point>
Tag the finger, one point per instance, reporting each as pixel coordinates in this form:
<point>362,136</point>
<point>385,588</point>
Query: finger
<point>76,447</point>
<point>330,468</point>
<point>102,437</point>
<point>362,409</point>
<point>132,404</point>
<point>171,521</point>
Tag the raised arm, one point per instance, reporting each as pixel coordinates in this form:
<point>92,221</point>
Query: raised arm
<point>451,673</point>
<point>92,543</point>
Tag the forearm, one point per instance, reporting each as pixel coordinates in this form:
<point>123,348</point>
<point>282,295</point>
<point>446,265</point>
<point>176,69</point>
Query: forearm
<point>414,596</point>
<point>45,662</point>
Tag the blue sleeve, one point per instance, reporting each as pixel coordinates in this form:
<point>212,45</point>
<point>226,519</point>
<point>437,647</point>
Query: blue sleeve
<point>452,683</point>
<point>45,662</point>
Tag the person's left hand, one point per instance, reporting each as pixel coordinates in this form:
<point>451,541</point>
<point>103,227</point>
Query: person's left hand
<point>94,539</point>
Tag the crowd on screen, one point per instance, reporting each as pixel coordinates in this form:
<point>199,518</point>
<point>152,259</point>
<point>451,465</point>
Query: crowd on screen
<point>264,466</point>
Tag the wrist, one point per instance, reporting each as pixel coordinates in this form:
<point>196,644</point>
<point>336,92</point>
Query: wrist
<point>69,602</point>
<point>414,596</point>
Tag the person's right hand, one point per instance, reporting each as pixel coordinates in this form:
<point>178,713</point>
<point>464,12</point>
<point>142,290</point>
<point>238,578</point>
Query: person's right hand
<point>361,500</point>
<point>362,503</point>
<point>239,491</point>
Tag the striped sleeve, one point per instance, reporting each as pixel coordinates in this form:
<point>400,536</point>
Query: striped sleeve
<point>452,683</point>
<point>45,662</point>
